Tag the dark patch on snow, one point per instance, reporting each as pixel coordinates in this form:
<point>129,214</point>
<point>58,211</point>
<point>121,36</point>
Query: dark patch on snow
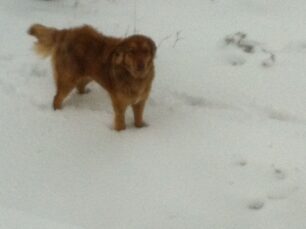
<point>256,205</point>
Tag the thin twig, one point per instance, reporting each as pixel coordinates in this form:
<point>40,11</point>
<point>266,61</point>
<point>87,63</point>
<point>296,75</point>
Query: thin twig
<point>127,31</point>
<point>177,39</point>
<point>164,39</point>
<point>135,17</point>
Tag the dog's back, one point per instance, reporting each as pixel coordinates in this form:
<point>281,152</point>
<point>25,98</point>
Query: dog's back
<point>77,53</point>
<point>81,45</point>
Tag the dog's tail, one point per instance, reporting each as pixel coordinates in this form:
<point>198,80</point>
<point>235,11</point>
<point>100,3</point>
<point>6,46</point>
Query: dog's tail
<point>46,39</point>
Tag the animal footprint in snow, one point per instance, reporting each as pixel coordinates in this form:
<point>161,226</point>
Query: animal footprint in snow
<point>239,42</point>
<point>239,160</point>
<point>241,163</point>
<point>283,189</point>
<point>282,193</point>
<point>190,100</point>
<point>279,174</point>
<point>236,60</point>
<point>269,62</point>
<point>256,204</point>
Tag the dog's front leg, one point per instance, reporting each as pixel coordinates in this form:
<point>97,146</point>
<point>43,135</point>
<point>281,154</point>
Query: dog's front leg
<point>119,109</point>
<point>138,109</point>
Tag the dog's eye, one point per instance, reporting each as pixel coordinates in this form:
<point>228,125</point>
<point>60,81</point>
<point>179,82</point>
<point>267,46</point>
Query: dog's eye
<point>145,52</point>
<point>131,51</point>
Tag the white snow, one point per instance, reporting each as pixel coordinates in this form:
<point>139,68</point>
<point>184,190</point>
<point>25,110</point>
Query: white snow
<point>225,147</point>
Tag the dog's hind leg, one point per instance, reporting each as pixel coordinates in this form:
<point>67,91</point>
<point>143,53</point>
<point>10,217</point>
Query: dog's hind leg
<point>62,91</point>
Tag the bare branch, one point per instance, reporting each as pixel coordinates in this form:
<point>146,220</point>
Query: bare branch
<point>127,31</point>
<point>164,39</point>
<point>178,38</point>
<point>135,18</point>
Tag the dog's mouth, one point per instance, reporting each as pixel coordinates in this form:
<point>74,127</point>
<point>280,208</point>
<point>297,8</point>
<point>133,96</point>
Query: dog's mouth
<point>138,73</point>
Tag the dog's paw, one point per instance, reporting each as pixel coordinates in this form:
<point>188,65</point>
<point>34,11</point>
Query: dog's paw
<point>120,127</point>
<point>56,107</point>
<point>141,125</point>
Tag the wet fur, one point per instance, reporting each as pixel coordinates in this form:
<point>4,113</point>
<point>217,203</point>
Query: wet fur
<point>123,66</point>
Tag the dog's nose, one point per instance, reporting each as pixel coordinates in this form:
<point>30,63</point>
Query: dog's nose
<point>140,66</point>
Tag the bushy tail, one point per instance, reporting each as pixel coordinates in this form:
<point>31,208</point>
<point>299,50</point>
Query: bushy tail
<point>46,37</point>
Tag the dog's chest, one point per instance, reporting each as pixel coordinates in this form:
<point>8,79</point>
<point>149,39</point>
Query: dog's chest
<point>134,93</point>
<point>137,100</point>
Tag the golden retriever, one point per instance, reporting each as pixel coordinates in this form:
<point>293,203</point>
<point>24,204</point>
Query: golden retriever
<point>123,66</point>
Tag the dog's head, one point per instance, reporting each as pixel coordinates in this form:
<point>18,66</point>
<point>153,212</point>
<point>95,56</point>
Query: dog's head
<point>136,54</point>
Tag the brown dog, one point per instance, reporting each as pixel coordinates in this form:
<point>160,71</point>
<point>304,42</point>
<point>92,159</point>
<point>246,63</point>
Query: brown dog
<point>124,67</point>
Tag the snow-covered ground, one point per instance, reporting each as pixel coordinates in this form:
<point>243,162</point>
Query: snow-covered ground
<point>226,143</point>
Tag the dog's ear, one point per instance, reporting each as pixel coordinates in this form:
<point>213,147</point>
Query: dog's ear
<point>118,55</point>
<point>153,47</point>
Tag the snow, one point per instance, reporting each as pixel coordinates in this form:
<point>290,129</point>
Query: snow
<point>225,145</point>
<point>11,218</point>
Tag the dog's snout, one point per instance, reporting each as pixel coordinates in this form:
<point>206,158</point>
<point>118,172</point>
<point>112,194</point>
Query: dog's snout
<point>140,66</point>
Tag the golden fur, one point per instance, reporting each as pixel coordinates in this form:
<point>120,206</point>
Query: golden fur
<point>123,66</point>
